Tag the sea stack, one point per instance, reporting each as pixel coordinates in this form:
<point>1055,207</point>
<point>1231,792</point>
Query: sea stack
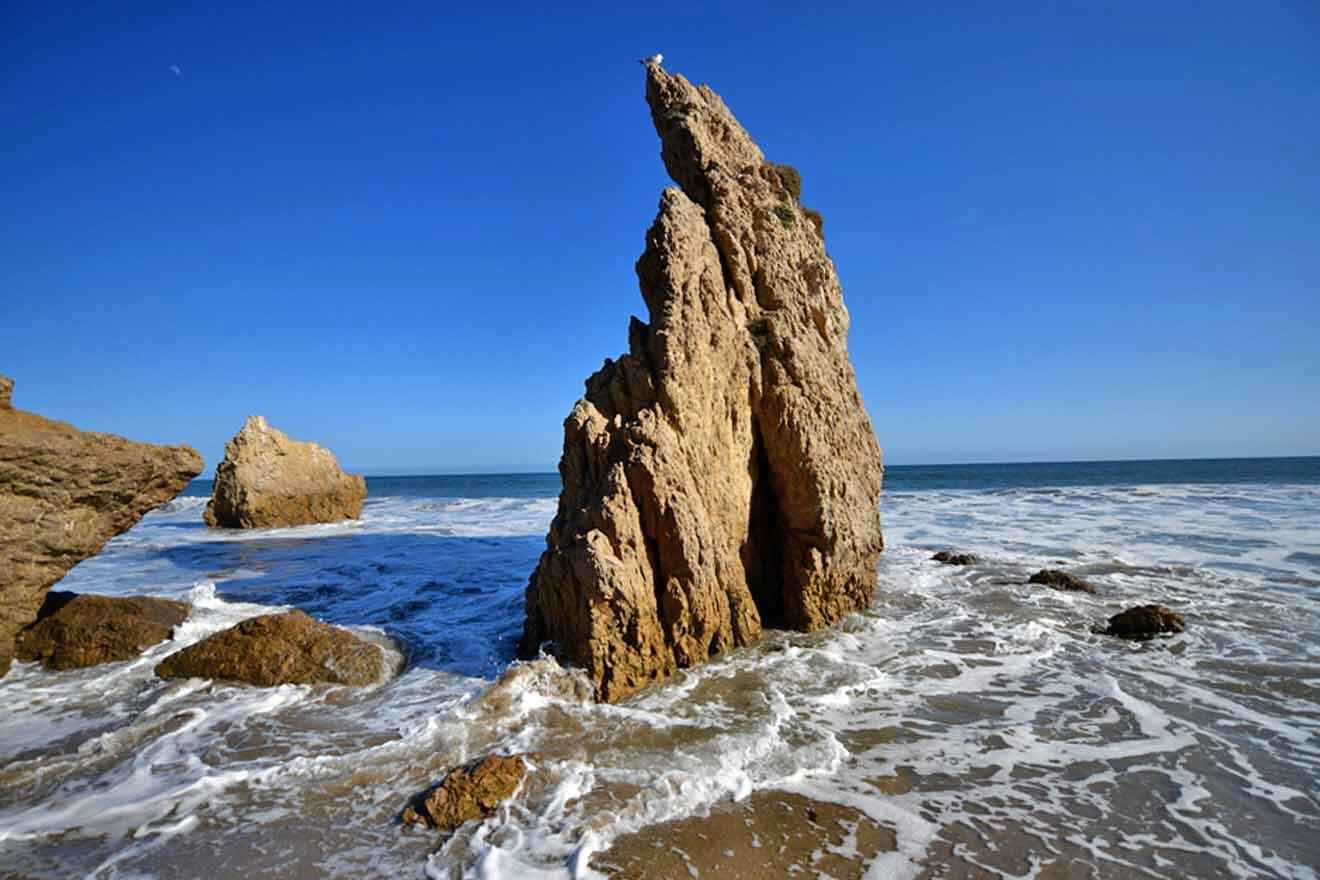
<point>723,475</point>
<point>63,494</point>
<point>267,480</point>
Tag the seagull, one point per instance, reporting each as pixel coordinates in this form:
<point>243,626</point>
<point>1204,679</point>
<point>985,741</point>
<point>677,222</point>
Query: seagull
<point>654,59</point>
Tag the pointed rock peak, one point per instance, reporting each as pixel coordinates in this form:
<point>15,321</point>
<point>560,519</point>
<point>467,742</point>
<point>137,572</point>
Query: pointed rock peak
<point>722,476</point>
<point>255,423</point>
<point>6,392</point>
<point>700,140</point>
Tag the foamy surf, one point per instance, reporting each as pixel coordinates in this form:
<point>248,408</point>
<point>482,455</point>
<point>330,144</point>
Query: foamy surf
<point>975,719</point>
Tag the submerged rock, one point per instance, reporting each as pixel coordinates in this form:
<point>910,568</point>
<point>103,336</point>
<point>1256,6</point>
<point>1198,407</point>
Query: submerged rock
<point>723,476</point>
<point>267,480</point>
<point>948,557</point>
<point>63,494</point>
<point>1060,580</point>
<point>73,631</point>
<point>1145,622</point>
<point>275,649</point>
<point>473,791</point>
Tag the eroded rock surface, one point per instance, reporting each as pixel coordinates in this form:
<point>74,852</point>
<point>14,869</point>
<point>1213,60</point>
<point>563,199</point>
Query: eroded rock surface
<point>63,494</point>
<point>267,480</point>
<point>472,791</point>
<point>1145,622</point>
<point>723,475</point>
<point>73,631</point>
<point>1060,580</point>
<point>275,649</point>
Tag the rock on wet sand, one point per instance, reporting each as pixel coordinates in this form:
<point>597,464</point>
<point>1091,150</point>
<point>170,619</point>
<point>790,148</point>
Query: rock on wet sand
<point>472,791</point>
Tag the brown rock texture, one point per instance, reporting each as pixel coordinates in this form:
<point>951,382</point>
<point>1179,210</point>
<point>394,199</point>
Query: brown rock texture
<point>723,475</point>
<point>1060,580</point>
<point>1145,622</point>
<point>63,494</point>
<point>472,791</point>
<point>267,480</point>
<point>275,649</point>
<point>73,631</point>
<point>948,557</point>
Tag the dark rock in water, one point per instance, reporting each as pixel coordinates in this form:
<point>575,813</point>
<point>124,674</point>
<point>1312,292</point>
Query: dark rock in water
<point>1060,580</point>
<point>267,480</point>
<point>722,476</point>
<point>948,557</point>
<point>275,649</point>
<point>73,631</point>
<point>63,494</point>
<point>472,791</point>
<point>1145,622</point>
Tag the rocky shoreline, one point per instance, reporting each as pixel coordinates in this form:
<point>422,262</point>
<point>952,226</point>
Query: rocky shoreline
<point>719,480</point>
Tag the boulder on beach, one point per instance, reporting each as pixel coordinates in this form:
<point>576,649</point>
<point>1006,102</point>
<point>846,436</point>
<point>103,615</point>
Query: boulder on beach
<point>948,557</point>
<point>1145,622</point>
<point>275,649</point>
<point>473,791</point>
<point>63,494</point>
<point>267,480</point>
<point>73,631</point>
<point>1060,580</point>
<point>723,475</point>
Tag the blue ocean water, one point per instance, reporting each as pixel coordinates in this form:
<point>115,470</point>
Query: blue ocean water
<point>991,701</point>
<point>906,478</point>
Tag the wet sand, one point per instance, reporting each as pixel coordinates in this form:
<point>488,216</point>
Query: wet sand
<point>768,834</point>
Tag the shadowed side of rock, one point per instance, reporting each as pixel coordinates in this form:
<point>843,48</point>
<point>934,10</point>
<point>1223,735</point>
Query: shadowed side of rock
<point>267,480</point>
<point>63,494</point>
<point>723,475</point>
<point>73,631</point>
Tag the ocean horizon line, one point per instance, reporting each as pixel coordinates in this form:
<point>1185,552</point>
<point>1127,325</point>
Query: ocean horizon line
<point>420,473</point>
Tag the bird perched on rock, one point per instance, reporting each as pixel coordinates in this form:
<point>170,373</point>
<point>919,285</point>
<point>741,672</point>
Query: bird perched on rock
<point>654,59</point>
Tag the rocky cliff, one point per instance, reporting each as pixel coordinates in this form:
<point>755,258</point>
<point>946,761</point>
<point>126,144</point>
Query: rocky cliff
<point>63,494</point>
<point>268,480</point>
<point>722,476</point>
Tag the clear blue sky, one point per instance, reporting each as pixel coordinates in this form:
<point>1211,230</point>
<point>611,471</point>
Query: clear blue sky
<point>1064,230</point>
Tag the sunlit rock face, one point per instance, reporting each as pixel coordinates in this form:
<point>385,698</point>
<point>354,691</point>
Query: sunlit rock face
<point>63,494</point>
<point>723,475</point>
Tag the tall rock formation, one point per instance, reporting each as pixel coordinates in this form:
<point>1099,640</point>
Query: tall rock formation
<point>267,480</point>
<point>63,494</point>
<point>723,475</point>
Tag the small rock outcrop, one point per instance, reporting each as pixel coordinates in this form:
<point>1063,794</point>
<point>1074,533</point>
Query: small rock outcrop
<point>472,791</point>
<point>267,480</point>
<point>723,475</point>
<point>275,649</point>
<point>73,631</point>
<point>948,557</point>
<point>1060,580</point>
<point>1145,622</point>
<point>63,494</point>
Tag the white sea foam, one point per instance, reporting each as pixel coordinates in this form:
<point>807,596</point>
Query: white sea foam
<point>1023,742</point>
